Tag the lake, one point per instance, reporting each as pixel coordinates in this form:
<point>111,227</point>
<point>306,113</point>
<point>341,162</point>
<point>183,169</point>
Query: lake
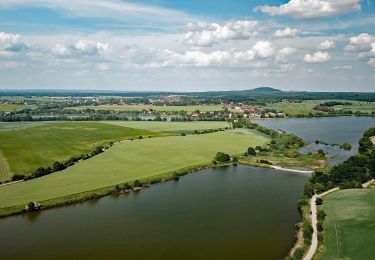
<point>333,130</point>
<point>234,212</point>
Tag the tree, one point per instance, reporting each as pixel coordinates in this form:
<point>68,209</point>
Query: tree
<point>17,177</point>
<point>222,157</point>
<point>57,166</point>
<point>31,206</point>
<point>319,201</point>
<point>251,151</point>
<point>137,183</point>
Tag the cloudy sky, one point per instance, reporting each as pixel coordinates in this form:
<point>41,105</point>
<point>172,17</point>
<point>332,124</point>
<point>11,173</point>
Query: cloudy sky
<point>195,45</point>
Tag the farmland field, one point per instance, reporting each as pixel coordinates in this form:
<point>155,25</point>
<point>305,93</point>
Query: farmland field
<point>29,148</point>
<point>349,227</point>
<point>129,161</point>
<point>10,107</point>
<point>358,106</point>
<point>11,126</point>
<point>171,126</point>
<point>206,108</point>
<point>292,108</point>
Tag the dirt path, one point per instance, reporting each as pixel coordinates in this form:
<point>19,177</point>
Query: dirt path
<point>313,209</point>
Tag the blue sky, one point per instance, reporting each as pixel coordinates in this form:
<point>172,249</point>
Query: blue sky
<point>318,45</point>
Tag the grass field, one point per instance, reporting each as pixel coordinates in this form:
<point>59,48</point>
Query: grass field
<point>148,107</point>
<point>359,106</point>
<point>29,148</point>
<point>10,107</point>
<point>12,126</point>
<point>291,108</point>
<point>170,126</point>
<point>127,162</point>
<point>350,224</point>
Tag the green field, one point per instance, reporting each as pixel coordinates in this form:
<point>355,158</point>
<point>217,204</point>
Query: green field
<point>350,224</point>
<point>12,126</point>
<point>148,107</point>
<point>26,149</point>
<point>10,107</point>
<point>292,108</point>
<point>171,126</point>
<point>358,106</point>
<point>128,161</point>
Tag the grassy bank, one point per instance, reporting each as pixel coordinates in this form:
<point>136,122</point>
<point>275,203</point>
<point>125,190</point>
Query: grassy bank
<point>138,159</point>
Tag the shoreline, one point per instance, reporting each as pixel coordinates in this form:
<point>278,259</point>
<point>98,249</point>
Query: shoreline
<point>146,183</point>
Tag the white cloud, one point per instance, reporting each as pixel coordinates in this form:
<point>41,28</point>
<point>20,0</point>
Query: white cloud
<point>82,47</point>
<point>150,58</point>
<point>287,32</point>
<point>11,42</point>
<point>204,34</point>
<point>361,43</point>
<point>326,45</point>
<point>312,9</point>
<point>110,9</point>
<point>317,57</point>
<point>344,67</point>
<point>284,53</point>
<point>371,62</point>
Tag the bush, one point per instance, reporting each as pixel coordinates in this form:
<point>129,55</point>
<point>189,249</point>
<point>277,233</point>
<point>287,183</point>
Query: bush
<point>307,230</point>
<point>17,177</point>
<point>251,151</point>
<point>298,254</point>
<point>318,201</point>
<point>321,215</point>
<point>137,183</point>
<point>222,157</point>
<point>265,161</point>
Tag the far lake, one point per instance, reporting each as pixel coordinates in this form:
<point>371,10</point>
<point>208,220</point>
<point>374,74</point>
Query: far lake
<point>345,129</point>
<point>235,212</point>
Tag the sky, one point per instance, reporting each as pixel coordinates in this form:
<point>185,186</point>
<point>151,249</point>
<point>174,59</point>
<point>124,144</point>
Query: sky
<point>165,45</point>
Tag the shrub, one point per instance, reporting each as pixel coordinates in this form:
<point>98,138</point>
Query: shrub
<point>319,201</point>
<point>214,162</point>
<point>222,157</point>
<point>251,151</point>
<point>265,161</point>
<point>17,177</point>
<point>137,183</point>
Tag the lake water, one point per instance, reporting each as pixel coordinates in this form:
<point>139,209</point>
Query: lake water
<point>235,212</point>
<point>338,130</point>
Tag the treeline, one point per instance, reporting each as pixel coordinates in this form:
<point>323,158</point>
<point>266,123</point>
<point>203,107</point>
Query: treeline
<point>349,174</point>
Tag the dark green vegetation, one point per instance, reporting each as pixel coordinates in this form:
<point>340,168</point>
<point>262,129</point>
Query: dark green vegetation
<point>212,214</point>
<point>349,226</point>
<point>27,149</point>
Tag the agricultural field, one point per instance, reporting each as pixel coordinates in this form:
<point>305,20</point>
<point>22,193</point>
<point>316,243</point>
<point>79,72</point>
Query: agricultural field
<point>292,108</point>
<point>12,126</point>
<point>349,227</point>
<point>131,160</point>
<point>171,126</point>
<point>10,107</point>
<point>207,108</point>
<point>358,106</point>
<point>26,149</point>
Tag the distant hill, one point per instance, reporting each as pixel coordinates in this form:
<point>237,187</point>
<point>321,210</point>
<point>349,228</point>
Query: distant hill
<point>265,89</point>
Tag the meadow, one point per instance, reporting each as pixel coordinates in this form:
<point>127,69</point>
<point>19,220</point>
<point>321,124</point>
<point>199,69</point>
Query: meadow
<point>358,106</point>
<point>128,161</point>
<point>11,107</point>
<point>171,126</point>
<point>29,148</point>
<point>205,108</point>
<point>292,108</point>
<point>349,226</point>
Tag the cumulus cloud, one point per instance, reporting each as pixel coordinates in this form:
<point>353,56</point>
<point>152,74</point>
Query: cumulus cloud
<point>311,9</point>
<point>151,58</point>
<point>284,53</point>
<point>317,57</point>
<point>371,62</point>
<point>361,43</point>
<point>326,45</point>
<point>11,42</point>
<point>82,47</point>
<point>205,34</point>
<point>285,33</point>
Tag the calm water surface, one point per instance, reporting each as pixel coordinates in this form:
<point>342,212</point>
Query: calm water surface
<point>225,213</point>
<point>339,130</point>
